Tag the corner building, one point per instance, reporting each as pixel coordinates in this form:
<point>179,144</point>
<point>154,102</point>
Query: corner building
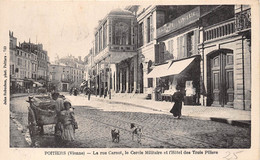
<point>115,56</point>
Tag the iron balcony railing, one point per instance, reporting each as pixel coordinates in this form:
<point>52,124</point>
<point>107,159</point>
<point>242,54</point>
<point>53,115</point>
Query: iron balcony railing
<point>243,20</point>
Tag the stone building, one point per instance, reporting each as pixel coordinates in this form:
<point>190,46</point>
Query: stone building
<point>25,72</point>
<point>67,72</point>
<point>226,56</point>
<point>206,50</point>
<point>115,56</point>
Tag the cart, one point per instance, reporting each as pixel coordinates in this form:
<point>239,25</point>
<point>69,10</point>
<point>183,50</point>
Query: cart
<point>41,111</point>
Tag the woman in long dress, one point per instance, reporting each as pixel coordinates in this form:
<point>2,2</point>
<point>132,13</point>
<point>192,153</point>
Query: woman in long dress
<point>178,98</point>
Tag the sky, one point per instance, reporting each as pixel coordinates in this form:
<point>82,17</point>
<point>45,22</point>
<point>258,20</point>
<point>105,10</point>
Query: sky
<point>62,27</point>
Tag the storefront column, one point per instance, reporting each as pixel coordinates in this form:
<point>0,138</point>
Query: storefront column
<point>127,80</point>
<point>120,85</point>
<point>135,74</point>
<point>99,80</point>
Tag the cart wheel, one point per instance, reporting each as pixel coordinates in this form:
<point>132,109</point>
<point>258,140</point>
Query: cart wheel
<point>32,123</point>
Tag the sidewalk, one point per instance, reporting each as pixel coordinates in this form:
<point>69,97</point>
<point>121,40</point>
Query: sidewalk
<point>16,95</point>
<point>220,114</point>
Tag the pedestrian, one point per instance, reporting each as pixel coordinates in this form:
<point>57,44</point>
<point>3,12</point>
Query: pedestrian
<point>105,92</point>
<point>178,98</point>
<point>68,122</point>
<point>59,106</point>
<point>89,93</point>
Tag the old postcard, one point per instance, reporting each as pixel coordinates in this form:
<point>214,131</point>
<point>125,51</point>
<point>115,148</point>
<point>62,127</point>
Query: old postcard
<point>129,80</point>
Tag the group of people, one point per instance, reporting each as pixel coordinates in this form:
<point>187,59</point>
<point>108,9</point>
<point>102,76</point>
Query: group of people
<point>66,123</point>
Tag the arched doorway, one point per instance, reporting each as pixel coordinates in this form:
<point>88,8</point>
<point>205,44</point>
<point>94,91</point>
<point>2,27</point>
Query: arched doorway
<point>220,78</point>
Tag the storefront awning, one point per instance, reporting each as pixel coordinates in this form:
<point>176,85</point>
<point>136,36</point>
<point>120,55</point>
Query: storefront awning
<point>38,84</point>
<point>174,68</point>
<point>159,70</point>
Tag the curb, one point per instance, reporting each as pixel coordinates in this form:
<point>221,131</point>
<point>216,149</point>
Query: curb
<point>18,96</point>
<point>239,123</point>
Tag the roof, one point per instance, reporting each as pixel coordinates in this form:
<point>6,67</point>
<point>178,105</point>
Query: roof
<point>120,11</point>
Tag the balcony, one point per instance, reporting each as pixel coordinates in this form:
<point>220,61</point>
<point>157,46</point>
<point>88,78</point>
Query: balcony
<point>117,53</point>
<point>220,30</point>
<point>243,20</point>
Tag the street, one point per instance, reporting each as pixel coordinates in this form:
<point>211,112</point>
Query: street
<point>159,130</point>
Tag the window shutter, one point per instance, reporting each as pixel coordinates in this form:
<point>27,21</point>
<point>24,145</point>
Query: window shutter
<point>178,48</point>
<point>196,41</point>
<point>181,47</point>
<point>185,44</point>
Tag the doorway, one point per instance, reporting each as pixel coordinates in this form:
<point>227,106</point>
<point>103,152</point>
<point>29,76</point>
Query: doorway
<point>221,78</point>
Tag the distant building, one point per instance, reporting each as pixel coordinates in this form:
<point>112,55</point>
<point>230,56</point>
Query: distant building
<point>66,73</point>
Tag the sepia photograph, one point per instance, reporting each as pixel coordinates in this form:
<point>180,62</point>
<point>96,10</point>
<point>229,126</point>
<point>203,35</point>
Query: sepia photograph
<point>130,78</point>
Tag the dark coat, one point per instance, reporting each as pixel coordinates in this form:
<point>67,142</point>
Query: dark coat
<point>177,98</point>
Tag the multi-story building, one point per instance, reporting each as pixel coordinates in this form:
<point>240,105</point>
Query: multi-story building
<point>186,46</point>
<point>115,56</point>
<point>205,50</point>
<point>226,53</point>
<point>13,62</point>
<point>67,72</point>
<point>24,65</point>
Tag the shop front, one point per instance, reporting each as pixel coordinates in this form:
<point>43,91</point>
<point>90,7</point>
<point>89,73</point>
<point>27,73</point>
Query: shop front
<point>184,73</point>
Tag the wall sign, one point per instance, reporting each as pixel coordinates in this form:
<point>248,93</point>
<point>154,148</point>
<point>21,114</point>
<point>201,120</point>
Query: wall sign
<point>184,20</point>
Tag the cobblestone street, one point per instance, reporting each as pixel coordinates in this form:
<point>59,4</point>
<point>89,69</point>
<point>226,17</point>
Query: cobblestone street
<point>96,119</point>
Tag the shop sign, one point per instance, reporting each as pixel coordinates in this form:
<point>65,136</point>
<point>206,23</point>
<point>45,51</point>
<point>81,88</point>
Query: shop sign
<point>184,20</point>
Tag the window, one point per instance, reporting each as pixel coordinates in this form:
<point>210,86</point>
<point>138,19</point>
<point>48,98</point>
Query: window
<point>96,43</point>
<point>170,46</point>
<point>12,69</point>
<point>148,30</point>
<point>105,35</point>
<point>100,39</point>
<point>122,34</point>
<point>190,44</point>
<point>19,61</point>
<point>150,82</point>
<point>140,35</point>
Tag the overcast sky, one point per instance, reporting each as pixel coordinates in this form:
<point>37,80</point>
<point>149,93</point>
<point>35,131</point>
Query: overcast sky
<point>62,27</point>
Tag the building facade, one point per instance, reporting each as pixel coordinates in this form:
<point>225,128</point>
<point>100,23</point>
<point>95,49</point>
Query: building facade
<point>226,51</point>
<point>67,72</point>
<point>115,56</point>
<point>205,50</point>
<point>25,72</point>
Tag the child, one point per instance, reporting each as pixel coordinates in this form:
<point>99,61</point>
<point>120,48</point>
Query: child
<point>68,122</point>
